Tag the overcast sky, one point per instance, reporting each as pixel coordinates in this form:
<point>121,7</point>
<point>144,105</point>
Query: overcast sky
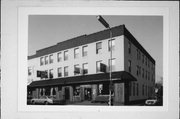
<point>47,30</point>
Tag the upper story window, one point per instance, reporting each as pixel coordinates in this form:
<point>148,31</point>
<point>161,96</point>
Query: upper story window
<point>98,47</point>
<point>51,73</point>
<point>137,54</point>
<point>146,61</point>
<point>98,66</point>
<point>84,51</point>
<point>137,70</point>
<point>112,64</point>
<point>59,72</point>
<point>111,44</point>
<point>50,59</point>
<point>129,47</point>
<point>137,90</point>
<point>29,71</point>
<point>42,61</point>
<point>59,56</point>
<point>46,74</point>
<point>76,69</point>
<point>143,72</point>
<point>76,53</point>
<point>66,71</point>
<point>46,59</point>
<point>85,68</point>
<point>129,65</point>
<point>65,55</point>
<point>143,58</point>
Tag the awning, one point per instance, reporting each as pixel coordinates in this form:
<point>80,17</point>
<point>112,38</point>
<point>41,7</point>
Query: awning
<point>120,76</point>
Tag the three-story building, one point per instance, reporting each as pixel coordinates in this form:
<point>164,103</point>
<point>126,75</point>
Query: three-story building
<point>78,69</point>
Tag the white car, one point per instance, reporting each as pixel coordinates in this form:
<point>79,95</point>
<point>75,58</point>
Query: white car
<point>42,100</point>
<point>151,102</point>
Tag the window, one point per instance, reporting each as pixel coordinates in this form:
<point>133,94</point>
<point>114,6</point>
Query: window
<point>146,74</point>
<point>29,71</point>
<point>42,61</point>
<point>66,71</point>
<point>85,68</point>
<point>137,54</point>
<point>143,72</point>
<point>134,89</point>
<point>59,72</point>
<point>103,89</point>
<point>146,61</point>
<point>98,66</point>
<point>76,53</point>
<point>46,59</point>
<point>112,64</point>
<point>129,47</point>
<point>137,70</point>
<point>46,73</point>
<point>76,69</point>
<point>84,51</point>
<point>51,73</point>
<point>111,42</point>
<point>50,59</point>
<point>98,47</point>
<point>76,90</point>
<point>59,57</point>
<point>65,55</point>
<point>137,90</point>
<point>129,65</point>
<point>130,88</point>
<point>143,58</point>
<point>143,89</point>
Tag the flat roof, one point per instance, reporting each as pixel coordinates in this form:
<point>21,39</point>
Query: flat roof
<point>94,37</point>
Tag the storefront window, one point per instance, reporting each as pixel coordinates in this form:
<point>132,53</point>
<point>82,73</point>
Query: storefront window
<point>76,91</point>
<point>103,89</point>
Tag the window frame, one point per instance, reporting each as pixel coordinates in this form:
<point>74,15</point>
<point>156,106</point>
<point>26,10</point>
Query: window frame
<point>66,55</point>
<point>66,73</point>
<point>109,44</point>
<point>84,68</point>
<point>84,52</point>
<point>76,53</point>
<point>59,71</point>
<point>98,49</point>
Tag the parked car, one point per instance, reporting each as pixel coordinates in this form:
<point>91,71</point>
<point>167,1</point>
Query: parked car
<point>151,102</point>
<point>42,100</point>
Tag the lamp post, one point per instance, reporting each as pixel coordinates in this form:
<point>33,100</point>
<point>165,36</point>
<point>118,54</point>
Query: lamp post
<point>105,24</point>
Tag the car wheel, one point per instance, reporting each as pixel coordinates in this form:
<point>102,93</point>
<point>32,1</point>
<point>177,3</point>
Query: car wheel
<point>46,103</point>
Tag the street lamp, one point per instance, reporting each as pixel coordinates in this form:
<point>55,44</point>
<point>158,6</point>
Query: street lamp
<point>105,24</point>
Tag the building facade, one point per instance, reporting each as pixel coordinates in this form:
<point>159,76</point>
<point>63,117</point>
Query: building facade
<point>78,69</point>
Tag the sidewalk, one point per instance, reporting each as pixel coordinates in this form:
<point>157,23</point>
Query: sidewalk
<point>95,104</point>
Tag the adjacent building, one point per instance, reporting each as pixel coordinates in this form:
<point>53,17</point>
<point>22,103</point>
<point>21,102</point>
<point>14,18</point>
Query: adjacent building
<point>78,69</point>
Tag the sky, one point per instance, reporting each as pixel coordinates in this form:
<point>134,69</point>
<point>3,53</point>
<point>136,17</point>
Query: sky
<point>48,30</point>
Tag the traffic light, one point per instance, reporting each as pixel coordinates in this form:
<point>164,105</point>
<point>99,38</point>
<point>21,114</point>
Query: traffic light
<point>102,67</point>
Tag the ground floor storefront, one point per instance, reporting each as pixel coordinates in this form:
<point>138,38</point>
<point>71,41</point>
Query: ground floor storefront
<point>94,88</point>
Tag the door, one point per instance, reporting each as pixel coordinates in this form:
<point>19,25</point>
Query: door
<point>87,94</point>
<point>67,94</point>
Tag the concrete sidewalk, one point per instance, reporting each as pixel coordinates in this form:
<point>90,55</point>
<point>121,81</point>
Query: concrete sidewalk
<point>95,104</point>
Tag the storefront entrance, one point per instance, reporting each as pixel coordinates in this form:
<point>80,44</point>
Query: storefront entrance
<point>67,94</point>
<point>87,94</point>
